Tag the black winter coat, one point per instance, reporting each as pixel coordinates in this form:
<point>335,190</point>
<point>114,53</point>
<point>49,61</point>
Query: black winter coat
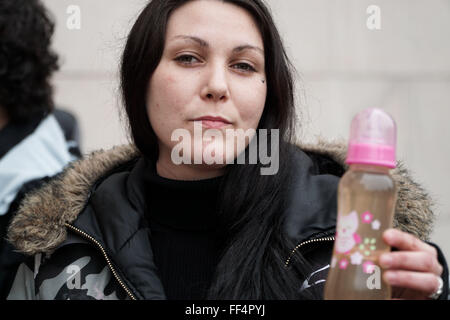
<point>88,239</point>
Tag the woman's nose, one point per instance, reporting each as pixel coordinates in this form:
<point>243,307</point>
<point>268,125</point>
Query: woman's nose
<point>216,88</point>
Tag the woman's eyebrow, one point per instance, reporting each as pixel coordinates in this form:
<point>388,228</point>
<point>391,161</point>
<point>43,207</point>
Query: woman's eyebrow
<point>205,44</point>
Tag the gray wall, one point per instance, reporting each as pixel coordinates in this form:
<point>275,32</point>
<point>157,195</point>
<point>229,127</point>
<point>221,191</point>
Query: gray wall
<point>344,67</point>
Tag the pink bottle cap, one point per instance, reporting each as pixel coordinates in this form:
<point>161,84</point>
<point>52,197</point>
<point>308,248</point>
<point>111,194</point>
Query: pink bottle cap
<point>373,139</point>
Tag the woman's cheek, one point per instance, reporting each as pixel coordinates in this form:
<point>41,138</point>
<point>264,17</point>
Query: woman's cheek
<point>167,104</point>
<point>251,109</point>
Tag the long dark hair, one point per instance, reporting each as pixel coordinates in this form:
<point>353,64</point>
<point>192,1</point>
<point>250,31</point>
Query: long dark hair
<point>251,204</point>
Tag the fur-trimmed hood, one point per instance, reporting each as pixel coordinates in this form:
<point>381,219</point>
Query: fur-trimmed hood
<point>40,223</point>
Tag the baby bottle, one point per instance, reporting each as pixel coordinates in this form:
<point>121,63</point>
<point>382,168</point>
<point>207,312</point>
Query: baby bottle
<point>366,202</point>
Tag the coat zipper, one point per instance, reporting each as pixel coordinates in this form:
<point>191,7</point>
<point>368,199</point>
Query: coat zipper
<point>306,242</point>
<point>85,235</point>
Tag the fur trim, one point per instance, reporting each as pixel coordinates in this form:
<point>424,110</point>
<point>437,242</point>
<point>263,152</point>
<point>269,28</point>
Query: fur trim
<point>413,212</point>
<point>39,225</point>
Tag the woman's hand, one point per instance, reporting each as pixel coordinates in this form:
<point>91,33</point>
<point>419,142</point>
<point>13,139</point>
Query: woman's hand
<point>414,270</point>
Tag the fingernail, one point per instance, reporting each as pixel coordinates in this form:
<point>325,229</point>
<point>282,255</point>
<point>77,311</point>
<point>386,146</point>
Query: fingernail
<point>385,261</point>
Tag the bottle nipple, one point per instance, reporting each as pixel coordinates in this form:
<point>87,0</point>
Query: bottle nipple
<point>373,136</point>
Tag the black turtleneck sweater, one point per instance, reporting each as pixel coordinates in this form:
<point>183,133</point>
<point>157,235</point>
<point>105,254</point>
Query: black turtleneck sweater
<point>185,239</point>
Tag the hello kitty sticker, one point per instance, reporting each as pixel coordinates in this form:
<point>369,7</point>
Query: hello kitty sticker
<point>350,247</point>
<point>346,236</point>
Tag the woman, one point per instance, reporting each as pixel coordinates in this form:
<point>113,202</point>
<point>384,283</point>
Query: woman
<point>129,223</point>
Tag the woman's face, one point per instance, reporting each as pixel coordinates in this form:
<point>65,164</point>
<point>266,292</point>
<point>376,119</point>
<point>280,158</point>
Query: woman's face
<point>212,65</point>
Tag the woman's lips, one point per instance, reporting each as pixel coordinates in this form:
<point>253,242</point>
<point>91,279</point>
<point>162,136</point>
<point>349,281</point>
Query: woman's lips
<point>213,123</point>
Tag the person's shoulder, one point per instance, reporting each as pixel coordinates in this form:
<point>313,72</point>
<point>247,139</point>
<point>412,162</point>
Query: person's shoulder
<point>39,223</point>
<point>311,196</point>
<point>317,170</point>
<point>325,157</point>
<point>68,123</point>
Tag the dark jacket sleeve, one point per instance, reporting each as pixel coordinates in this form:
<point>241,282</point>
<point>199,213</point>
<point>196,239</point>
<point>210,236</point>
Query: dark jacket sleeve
<point>10,260</point>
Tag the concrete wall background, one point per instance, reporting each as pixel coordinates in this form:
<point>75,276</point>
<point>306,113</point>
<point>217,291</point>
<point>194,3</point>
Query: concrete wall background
<point>403,68</point>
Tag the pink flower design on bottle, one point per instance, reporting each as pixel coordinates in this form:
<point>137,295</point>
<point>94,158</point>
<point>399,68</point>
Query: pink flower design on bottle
<point>343,264</point>
<point>356,258</point>
<point>367,217</point>
<point>368,266</point>
<point>376,225</point>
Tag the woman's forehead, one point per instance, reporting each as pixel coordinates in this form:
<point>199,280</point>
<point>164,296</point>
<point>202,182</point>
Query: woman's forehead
<point>213,22</point>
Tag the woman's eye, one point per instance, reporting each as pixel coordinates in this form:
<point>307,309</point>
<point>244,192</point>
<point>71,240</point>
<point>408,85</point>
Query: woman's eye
<point>245,66</point>
<point>186,59</point>
<point>189,59</point>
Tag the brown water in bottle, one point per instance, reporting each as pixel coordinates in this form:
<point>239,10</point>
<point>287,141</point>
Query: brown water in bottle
<point>366,202</point>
